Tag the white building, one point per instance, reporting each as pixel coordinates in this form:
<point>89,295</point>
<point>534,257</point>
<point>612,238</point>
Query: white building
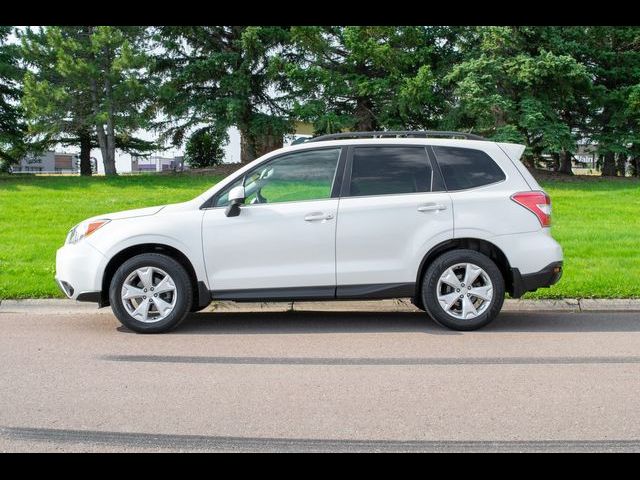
<point>51,162</point>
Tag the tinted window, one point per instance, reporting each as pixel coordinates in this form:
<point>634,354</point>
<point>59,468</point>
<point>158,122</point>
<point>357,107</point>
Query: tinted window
<point>306,175</point>
<point>389,170</point>
<point>466,168</point>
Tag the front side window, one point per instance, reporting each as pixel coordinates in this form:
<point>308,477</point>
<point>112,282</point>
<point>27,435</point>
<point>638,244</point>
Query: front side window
<point>390,170</point>
<point>464,168</point>
<point>306,175</point>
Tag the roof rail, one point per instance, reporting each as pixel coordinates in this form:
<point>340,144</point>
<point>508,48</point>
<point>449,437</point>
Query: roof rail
<point>396,134</point>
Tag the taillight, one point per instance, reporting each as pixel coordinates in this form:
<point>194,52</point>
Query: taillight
<point>537,202</point>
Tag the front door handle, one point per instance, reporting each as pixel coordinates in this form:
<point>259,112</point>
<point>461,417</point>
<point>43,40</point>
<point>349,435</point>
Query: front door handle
<point>431,207</point>
<point>316,216</point>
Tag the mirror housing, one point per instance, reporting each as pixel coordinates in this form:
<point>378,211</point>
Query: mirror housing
<point>236,198</point>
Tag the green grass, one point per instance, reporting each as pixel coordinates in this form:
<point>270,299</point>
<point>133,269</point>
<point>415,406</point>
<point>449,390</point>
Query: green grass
<point>596,221</point>
<point>37,212</point>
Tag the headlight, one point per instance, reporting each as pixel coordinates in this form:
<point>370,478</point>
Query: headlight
<point>84,229</point>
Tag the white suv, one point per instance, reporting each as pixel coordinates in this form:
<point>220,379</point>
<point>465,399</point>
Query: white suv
<point>448,219</point>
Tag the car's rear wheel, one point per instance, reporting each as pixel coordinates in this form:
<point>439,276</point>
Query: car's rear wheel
<point>463,290</point>
<point>151,293</point>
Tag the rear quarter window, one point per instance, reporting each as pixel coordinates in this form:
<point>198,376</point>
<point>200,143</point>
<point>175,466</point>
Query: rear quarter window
<point>464,168</point>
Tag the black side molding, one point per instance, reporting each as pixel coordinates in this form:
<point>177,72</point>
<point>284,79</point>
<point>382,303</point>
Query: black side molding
<point>275,294</point>
<point>530,282</point>
<point>344,292</point>
<point>376,291</point>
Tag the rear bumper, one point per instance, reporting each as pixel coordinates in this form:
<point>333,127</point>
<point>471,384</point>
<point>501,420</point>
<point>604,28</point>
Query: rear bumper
<point>530,282</point>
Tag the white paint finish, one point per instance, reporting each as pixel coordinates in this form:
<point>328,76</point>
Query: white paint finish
<point>383,238</point>
<point>530,252</point>
<point>176,225</point>
<point>514,152</point>
<point>487,211</point>
<point>375,239</point>
<point>80,265</point>
<point>270,246</point>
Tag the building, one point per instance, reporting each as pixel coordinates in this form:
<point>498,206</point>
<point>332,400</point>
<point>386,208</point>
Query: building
<point>52,162</point>
<point>585,156</point>
<point>155,163</point>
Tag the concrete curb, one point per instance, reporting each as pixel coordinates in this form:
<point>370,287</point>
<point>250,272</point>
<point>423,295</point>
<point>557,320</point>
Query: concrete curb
<point>62,306</point>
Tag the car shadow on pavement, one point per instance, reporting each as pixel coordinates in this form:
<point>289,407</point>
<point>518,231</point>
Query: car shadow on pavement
<point>221,323</point>
<point>307,322</point>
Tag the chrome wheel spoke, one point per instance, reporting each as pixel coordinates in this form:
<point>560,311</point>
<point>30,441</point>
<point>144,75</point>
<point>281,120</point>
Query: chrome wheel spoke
<point>142,312</point>
<point>129,291</point>
<point>468,298</point>
<point>483,293</point>
<point>447,301</point>
<point>146,276</point>
<point>450,278</point>
<point>165,285</point>
<point>149,294</point>
<point>162,306</point>
<point>471,274</point>
<point>468,308</point>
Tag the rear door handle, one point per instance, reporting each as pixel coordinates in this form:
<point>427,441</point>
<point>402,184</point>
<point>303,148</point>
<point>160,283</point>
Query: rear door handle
<point>316,216</point>
<point>431,207</point>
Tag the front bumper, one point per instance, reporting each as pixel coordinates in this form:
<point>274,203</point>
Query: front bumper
<point>530,282</point>
<point>79,270</point>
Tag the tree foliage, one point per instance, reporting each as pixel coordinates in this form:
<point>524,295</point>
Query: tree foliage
<point>205,147</point>
<point>550,88</point>
<point>11,123</point>
<point>221,76</point>
<point>89,86</point>
<point>367,78</point>
<point>512,87</point>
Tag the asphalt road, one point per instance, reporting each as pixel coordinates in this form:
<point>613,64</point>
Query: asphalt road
<point>321,381</point>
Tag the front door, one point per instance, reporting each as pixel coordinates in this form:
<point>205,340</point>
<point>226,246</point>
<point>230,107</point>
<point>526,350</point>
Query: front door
<point>282,243</point>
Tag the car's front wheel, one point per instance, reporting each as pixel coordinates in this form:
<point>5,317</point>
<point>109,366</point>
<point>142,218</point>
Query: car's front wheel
<point>151,293</point>
<point>463,290</point>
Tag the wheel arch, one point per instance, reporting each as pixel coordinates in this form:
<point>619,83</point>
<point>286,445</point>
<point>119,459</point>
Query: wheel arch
<point>483,246</point>
<point>201,295</point>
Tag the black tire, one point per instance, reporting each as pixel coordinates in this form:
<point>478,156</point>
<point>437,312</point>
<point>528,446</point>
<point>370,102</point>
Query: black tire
<point>183,293</point>
<point>430,284</point>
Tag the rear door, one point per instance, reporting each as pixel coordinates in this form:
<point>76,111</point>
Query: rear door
<point>393,209</point>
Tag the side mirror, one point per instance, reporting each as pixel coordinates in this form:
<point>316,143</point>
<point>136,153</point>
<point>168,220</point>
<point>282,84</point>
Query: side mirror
<point>236,198</point>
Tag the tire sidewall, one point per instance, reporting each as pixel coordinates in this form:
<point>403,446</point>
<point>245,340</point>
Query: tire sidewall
<point>181,280</point>
<point>430,284</point>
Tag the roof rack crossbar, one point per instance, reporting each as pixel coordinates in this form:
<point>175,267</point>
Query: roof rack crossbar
<point>396,133</point>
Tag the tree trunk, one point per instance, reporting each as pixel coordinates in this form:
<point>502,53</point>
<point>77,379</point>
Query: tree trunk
<point>254,146</point>
<point>555,166</point>
<point>111,134</point>
<point>85,153</point>
<point>609,165</point>
<point>635,167</point>
<point>248,150</point>
<point>621,164</point>
<point>107,160</point>
<point>365,121</point>
<point>528,161</point>
<point>565,163</point>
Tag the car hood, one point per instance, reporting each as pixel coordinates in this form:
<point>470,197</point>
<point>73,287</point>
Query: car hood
<point>137,212</point>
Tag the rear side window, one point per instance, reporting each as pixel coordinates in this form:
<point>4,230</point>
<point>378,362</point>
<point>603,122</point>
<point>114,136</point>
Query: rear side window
<point>390,170</point>
<point>464,168</point>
